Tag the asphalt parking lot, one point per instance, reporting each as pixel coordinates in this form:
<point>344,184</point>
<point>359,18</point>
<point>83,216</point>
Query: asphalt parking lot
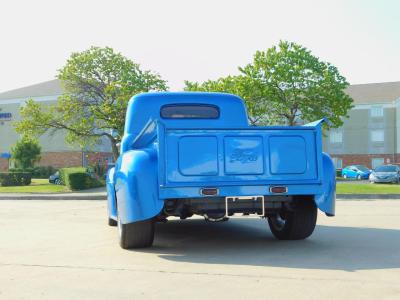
<point>65,250</point>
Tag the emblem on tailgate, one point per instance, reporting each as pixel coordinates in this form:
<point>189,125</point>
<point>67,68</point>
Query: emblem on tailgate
<point>243,155</point>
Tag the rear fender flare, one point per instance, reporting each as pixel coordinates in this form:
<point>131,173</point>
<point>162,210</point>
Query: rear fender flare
<point>326,201</point>
<point>111,200</point>
<point>136,185</point>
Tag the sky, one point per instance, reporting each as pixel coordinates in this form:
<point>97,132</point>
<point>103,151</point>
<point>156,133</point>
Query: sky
<point>198,40</point>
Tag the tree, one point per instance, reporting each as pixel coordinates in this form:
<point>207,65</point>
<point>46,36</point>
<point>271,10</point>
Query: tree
<point>289,85</point>
<point>242,86</point>
<point>98,84</point>
<point>26,152</point>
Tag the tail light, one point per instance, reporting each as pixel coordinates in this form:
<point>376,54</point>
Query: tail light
<point>209,191</point>
<point>278,189</point>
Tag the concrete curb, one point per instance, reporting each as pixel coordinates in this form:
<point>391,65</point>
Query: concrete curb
<point>103,196</point>
<point>72,196</point>
<point>367,196</point>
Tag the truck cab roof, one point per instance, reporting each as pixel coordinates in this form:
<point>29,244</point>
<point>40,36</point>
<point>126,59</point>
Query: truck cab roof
<point>186,110</point>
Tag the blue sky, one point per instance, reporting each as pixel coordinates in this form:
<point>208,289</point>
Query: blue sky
<point>198,40</point>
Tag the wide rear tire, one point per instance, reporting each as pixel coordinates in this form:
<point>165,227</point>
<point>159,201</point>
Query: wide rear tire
<point>137,234</point>
<point>112,222</point>
<point>298,224</point>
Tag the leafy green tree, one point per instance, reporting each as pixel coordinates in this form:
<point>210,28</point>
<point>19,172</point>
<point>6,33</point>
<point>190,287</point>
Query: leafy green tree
<point>287,84</point>
<point>98,84</point>
<point>26,152</point>
<point>242,86</point>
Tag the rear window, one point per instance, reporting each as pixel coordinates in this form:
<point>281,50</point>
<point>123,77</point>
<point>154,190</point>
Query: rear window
<point>386,169</point>
<point>362,168</point>
<point>189,111</point>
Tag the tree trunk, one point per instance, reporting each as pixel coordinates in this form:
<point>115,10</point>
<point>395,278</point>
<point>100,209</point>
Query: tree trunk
<point>292,120</point>
<point>115,149</point>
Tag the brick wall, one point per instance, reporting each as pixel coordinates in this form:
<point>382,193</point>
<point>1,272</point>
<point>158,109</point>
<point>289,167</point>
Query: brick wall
<point>61,159</point>
<point>366,159</point>
<point>3,164</point>
<point>65,159</point>
<point>92,158</point>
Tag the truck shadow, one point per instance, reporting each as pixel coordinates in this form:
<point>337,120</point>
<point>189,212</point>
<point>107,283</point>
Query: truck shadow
<point>249,242</point>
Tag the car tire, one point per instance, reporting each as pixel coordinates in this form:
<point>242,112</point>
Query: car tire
<point>112,222</point>
<point>358,177</point>
<point>345,176</point>
<point>297,224</point>
<point>137,234</point>
<point>57,182</point>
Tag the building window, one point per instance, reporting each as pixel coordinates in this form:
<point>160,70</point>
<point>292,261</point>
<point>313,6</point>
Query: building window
<point>376,162</point>
<point>377,111</point>
<point>335,136</point>
<point>337,162</point>
<point>377,135</point>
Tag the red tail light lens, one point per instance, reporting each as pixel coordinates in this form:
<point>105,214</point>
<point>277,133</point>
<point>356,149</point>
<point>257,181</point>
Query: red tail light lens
<point>209,191</point>
<point>278,189</point>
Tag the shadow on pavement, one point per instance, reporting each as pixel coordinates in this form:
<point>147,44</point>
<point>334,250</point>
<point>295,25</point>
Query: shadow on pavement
<point>249,242</point>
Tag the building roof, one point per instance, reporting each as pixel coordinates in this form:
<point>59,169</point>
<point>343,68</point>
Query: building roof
<point>374,92</point>
<point>47,88</point>
<point>361,93</point>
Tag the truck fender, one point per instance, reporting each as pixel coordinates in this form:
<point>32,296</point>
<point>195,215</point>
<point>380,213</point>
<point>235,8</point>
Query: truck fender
<point>136,185</point>
<point>326,201</point>
<point>111,200</point>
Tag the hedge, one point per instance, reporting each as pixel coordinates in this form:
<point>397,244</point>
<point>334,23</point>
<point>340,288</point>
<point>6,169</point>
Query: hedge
<point>38,172</point>
<point>15,178</point>
<point>78,179</point>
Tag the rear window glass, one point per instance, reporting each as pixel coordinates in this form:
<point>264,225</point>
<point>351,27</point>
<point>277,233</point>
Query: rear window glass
<point>189,111</point>
<point>386,169</point>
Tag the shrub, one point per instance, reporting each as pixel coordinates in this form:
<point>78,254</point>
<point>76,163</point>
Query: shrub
<point>15,178</point>
<point>37,172</point>
<point>78,179</point>
<point>26,152</point>
<point>43,172</point>
<point>338,172</point>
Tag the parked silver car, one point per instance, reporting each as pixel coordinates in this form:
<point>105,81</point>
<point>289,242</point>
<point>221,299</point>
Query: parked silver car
<point>385,174</point>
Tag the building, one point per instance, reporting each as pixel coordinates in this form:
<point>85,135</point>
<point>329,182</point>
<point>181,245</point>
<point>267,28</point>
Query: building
<point>371,134</point>
<point>55,152</point>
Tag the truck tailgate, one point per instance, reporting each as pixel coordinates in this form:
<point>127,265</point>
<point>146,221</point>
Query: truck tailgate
<point>254,155</point>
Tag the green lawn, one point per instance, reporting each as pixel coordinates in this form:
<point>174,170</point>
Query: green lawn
<point>37,186</point>
<point>43,186</point>
<point>376,188</point>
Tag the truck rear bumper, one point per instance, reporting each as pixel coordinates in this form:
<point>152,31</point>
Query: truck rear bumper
<point>241,190</point>
<point>323,197</point>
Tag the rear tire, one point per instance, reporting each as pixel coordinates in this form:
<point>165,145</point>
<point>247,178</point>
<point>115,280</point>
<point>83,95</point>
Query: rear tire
<point>345,176</point>
<point>137,234</point>
<point>297,224</point>
<point>112,222</point>
<point>358,177</point>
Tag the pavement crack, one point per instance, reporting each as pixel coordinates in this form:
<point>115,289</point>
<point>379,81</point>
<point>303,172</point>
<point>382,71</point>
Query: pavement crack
<point>260,276</point>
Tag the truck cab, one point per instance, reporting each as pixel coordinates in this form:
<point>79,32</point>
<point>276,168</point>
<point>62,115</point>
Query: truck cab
<point>191,153</point>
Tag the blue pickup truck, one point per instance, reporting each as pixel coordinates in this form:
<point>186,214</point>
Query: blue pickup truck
<point>189,153</point>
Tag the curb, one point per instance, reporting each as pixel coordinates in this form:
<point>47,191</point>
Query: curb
<point>72,196</point>
<point>52,197</point>
<point>367,196</point>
